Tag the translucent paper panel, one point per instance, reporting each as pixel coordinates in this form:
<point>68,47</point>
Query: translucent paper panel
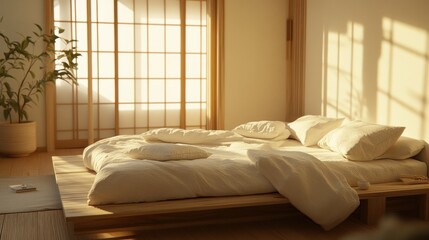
<point>193,90</point>
<point>94,36</point>
<point>106,91</point>
<point>104,10</point>
<point>64,92</point>
<point>82,90</point>
<point>141,65</point>
<point>204,65</point>
<point>126,131</point>
<point>125,11</point>
<point>106,133</point>
<point>193,12</point>
<point>126,65</point>
<point>81,34</point>
<point>125,37</point>
<point>148,61</point>
<point>140,35</point>
<point>156,90</point>
<point>82,62</point>
<point>172,12</point>
<point>83,134</point>
<point>107,115</point>
<point>156,39</point>
<point>126,91</point>
<point>193,39</point>
<point>203,90</point>
<point>193,65</point>
<point>80,10</point>
<point>126,115</point>
<point>203,12</point>
<point>156,11</point>
<point>64,135</point>
<point>172,65</point>
<point>95,88</point>
<point>83,117</point>
<point>172,39</point>
<point>193,114</point>
<point>173,115</point>
<point>64,112</point>
<point>62,10</point>
<point>142,91</point>
<point>172,90</point>
<point>156,66</point>
<point>105,33</point>
<point>140,11</point>
<point>204,39</point>
<point>157,115</point>
<point>141,115</point>
<point>106,62</point>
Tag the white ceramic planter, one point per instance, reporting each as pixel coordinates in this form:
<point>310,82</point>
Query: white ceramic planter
<point>17,139</point>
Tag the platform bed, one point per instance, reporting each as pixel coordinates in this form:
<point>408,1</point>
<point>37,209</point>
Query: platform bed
<point>74,182</point>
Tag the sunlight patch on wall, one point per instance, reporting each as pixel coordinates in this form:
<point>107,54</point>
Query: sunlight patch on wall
<point>342,88</point>
<point>403,76</point>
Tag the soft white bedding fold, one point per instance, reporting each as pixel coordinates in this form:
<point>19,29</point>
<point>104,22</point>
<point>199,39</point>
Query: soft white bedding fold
<point>192,136</point>
<point>315,190</point>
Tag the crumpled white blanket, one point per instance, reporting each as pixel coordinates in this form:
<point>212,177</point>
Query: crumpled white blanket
<point>192,136</point>
<point>315,190</point>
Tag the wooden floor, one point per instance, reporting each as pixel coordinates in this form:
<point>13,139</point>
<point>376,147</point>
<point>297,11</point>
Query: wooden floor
<point>51,225</point>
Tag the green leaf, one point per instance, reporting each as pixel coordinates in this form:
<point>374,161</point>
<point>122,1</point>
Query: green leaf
<point>6,113</point>
<point>24,113</point>
<point>39,27</point>
<point>9,91</point>
<point>26,98</point>
<point>14,104</point>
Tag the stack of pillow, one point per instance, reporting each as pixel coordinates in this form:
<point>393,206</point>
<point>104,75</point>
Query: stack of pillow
<point>355,140</point>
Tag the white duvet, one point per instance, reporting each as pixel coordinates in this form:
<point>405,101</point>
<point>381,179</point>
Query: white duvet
<point>227,170</point>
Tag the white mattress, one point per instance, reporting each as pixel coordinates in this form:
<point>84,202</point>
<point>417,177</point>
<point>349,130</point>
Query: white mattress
<point>228,171</point>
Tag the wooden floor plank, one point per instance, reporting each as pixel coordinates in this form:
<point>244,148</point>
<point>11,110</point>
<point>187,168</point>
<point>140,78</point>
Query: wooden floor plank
<point>20,226</point>
<point>1,223</point>
<point>6,166</point>
<point>51,225</point>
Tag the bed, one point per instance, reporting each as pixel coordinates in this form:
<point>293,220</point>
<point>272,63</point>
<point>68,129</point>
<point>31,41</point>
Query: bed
<point>230,175</point>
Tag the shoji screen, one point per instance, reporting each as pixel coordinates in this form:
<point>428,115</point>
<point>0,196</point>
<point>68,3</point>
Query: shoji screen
<point>143,66</point>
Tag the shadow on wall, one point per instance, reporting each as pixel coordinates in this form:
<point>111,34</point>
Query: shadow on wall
<point>375,61</point>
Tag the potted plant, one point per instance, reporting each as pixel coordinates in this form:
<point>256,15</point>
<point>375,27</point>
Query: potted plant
<point>24,72</point>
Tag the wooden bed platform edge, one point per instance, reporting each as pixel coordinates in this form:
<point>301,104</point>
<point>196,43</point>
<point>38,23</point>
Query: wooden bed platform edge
<point>74,182</point>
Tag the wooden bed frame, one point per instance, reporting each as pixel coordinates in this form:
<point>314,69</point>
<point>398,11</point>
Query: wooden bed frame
<point>74,182</point>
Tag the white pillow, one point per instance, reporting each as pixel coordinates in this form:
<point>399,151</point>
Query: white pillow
<point>404,148</point>
<point>310,129</point>
<point>262,129</point>
<point>167,151</point>
<point>360,141</point>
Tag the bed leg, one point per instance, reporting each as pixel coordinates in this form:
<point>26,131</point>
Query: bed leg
<point>372,209</point>
<point>424,206</point>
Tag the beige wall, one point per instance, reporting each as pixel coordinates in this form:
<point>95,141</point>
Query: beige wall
<point>255,60</point>
<point>369,60</point>
<point>20,17</point>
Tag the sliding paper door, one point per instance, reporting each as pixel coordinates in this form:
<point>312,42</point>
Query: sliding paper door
<point>143,66</point>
